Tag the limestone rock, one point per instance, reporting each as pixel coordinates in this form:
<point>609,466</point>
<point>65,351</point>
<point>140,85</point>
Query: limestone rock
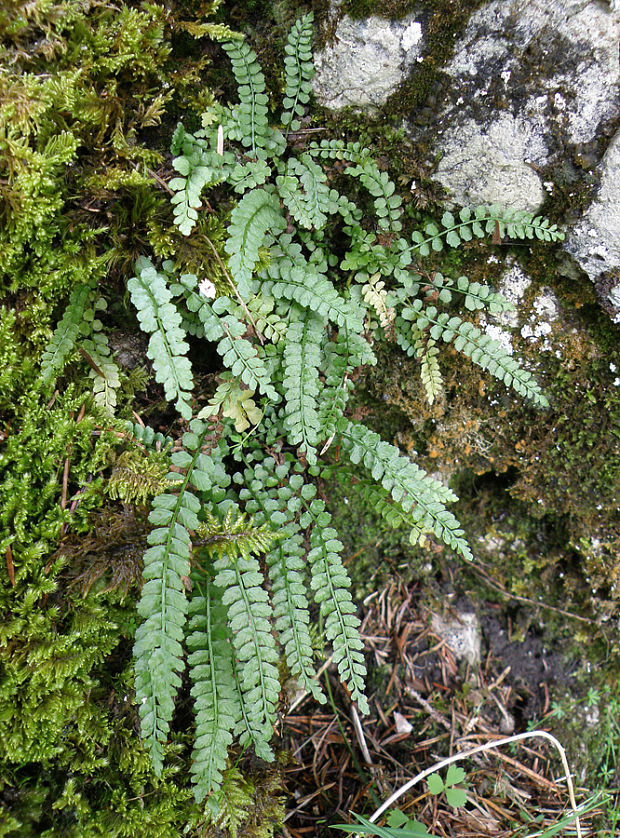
<point>528,78</point>
<point>366,62</point>
<point>595,241</point>
<point>486,165</point>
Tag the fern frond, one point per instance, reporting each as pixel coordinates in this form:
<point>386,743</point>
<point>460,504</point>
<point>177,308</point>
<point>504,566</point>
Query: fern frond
<point>386,202</point>
<point>298,72</point>
<point>239,577</point>
<point>215,701</point>
<point>252,110</point>
<point>341,356</point>
<point>417,494</point>
<point>482,221</point>
<point>257,212</point>
<point>65,334</point>
<point>330,583</point>
<point>302,357</point>
<point>197,169</point>
<point>476,295</point>
<point>430,372</point>
<point>157,650</point>
<point>167,348</point>
<point>299,281</point>
<point>375,296</point>
<point>279,507</point>
<point>103,370</point>
<point>304,190</point>
<point>482,349</point>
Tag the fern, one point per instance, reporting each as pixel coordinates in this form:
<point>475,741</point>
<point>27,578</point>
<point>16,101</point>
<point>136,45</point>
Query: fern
<point>158,651</point>
<point>65,335</point>
<point>167,346</point>
<point>330,583</point>
<point>298,72</point>
<point>279,506</point>
<point>304,279</point>
<point>411,488</point>
<point>239,576</point>
<point>252,110</point>
<point>255,213</point>
<point>480,348</point>
<point>304,190</point>
<point>492,220</point>
<point>302,356</point>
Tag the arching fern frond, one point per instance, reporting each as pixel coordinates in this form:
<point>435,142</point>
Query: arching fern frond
<point>478,346</point>
<point>298,72</point>
<point>419,495</point>
<point>304,190</point>
<point>167,348</point>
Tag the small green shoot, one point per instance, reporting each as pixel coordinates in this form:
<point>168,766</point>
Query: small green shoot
<point>456,794</point>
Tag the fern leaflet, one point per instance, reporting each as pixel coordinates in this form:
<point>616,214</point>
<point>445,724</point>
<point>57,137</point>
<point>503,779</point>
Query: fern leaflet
<point>159,317</point>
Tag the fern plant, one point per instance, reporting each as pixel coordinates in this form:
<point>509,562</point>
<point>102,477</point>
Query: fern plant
<point>292,322</point>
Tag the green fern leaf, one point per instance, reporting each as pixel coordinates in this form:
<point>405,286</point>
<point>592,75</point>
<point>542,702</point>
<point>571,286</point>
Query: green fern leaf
<point>298,72</point>
<point>302,356</point>
<point>158,651</point>
<point>252,111</point>
<point>65,335</point>
<point>304,190</point>
<point>482,349</point>
<point>215,700</point>
<point>239,577</point>
<point>256,212</point>
<point>279,506</point>
<point>417,494</point>
<point>330,583</point>
<point>167,348</point>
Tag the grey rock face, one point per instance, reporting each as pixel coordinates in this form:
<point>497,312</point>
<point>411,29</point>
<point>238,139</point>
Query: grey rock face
<point>366,62</point>
<point>595,241</point>
<point>486,165</point>
<point>528,77</point>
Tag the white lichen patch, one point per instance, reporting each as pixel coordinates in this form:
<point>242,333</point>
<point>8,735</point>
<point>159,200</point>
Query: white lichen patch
<point>492,164</point>
<point>366,61</point>
<point>513,285</point>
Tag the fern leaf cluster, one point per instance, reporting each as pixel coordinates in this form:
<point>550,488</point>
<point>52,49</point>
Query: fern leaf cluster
<point>307,280</point>
<point>158,647</point>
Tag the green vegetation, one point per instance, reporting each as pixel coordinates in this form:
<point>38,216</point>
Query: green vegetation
<point>184,348</point>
